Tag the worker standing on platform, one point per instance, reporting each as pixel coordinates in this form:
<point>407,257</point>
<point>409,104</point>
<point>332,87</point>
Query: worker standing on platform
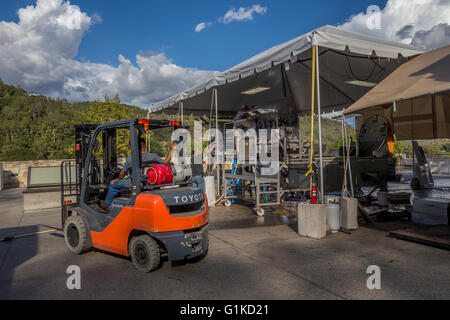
<point>197,161</point>
<point>198,181</point>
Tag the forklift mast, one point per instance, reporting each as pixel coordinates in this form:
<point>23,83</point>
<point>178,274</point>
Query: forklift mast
<point>71,186</point>
<point>100,172</point>
<point>83,135</point>
<point>109,154</point>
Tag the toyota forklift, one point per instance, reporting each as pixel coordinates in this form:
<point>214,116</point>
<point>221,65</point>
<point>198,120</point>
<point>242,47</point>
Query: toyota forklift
<point>157,216</point>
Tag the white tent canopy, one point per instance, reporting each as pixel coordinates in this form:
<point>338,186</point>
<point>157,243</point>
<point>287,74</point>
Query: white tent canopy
<point>348,63</point>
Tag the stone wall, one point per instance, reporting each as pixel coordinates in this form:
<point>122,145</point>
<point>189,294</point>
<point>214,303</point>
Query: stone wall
<point>15,173</point>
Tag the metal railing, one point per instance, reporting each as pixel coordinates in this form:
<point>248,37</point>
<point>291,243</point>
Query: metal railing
<point>70,187</point>
<point>437,166</point>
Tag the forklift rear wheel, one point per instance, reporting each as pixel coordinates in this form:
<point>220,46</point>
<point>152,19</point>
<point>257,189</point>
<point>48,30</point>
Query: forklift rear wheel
<point>76,235</point>
<point>144,252</point>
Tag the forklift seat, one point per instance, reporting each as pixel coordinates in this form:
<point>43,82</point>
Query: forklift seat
<point>125,194</point>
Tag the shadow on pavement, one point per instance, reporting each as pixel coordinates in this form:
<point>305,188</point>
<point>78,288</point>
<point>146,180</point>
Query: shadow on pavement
<point>11,194</point>
<point>269,220</point>
<point>14,253</point>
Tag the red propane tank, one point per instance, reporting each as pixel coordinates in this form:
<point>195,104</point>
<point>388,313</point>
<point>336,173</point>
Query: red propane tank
<point>159,174</point>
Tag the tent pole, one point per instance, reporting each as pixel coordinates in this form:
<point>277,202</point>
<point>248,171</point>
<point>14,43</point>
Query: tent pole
<point>349,146</point>
<point>210,166</point>
<point>147,136</point>
<point>217,143</point>
<point>211,110</point>
<point>344,157</point>
<point>320,127</point>
<point>182,113</point>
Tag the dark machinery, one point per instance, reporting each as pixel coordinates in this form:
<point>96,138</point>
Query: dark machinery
<point>422,177</point>
<point>253,179</point>
<point>371,159</point>
<point>372,162</point>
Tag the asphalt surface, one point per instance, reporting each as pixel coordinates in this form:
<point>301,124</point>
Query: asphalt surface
<point>249,258</point>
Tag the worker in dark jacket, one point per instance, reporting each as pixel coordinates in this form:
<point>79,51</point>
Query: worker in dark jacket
<point>197,161</point>
<point>121,183</point>
<point>198,181</point>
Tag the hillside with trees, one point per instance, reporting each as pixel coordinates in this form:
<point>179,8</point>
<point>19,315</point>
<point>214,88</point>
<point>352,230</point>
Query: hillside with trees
<point>35,127</point>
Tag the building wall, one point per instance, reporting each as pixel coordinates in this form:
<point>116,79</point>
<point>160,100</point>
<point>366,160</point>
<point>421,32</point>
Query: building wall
<point>15,173</point>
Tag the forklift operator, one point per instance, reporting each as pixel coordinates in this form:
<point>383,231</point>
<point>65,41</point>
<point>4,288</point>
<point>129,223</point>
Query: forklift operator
<point>121,183</point>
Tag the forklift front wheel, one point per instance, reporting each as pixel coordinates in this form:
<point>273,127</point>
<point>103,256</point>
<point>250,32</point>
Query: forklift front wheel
<point>144,252</point>
<point>76,235</point>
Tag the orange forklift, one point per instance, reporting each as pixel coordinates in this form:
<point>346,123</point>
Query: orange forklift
<point>157,216</point>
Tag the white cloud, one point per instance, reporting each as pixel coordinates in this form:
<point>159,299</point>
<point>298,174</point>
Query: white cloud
<point>200,27</point>
<point>418,22</point>
<point>38,54</point>
<point>436,37</point>
<point>242,14</point>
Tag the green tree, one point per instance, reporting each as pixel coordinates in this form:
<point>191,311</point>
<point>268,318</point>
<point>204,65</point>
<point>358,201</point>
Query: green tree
<point>112,111</point>
<point>399,147</point>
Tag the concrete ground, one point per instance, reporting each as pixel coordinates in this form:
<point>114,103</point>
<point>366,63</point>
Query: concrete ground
<point>249,258</point>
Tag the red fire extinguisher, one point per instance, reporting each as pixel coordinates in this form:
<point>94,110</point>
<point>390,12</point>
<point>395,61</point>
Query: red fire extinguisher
<point>314,195</point>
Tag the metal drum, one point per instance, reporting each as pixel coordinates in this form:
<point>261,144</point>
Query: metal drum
<point>181,173</point>
<point>333,217</point>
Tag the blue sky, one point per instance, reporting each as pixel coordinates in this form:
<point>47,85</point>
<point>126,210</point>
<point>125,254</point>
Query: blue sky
<point>146,51</point>
<point>130,27</point>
